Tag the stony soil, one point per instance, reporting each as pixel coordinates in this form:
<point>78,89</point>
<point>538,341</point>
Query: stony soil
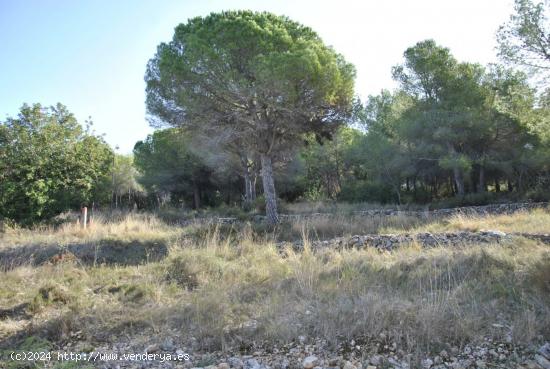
<point>367,353</point>
<point>389,242</point>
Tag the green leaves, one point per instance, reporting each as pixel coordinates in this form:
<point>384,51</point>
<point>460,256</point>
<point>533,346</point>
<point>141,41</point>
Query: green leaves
<point>251,73</point>
<point>168,165</point>
<point>525,39</point>
<point>49,164</point>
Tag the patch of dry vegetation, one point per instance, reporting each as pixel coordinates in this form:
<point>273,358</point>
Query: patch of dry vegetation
<point>115,226</point>
<point>236,291</point>
<point>535,221</point>
<point>344,208</point>
<point>322,228</point>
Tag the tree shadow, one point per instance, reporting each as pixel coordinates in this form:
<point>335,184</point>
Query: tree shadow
<point>110,252</point>
<point>18,312</point>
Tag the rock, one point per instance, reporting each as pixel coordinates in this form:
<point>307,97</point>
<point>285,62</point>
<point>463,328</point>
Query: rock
<point>545,350</point>
<point>235,362</point>
<point>335,361</point>
<point>168,345</point>
<point>427,363</point>
<point>282,364</point>
<point>496,234</point>
<point>481,364</point>
<point>376,360</point>
<point>223,366</point>
<point>152,348</point>
<point>310,362</point>
<point>371,367</point>
<point>531,364</point>
<point>349,365</point>
<point>542,361</point>
<point>252,364</point>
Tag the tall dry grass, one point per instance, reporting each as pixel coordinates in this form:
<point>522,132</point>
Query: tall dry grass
<point>321,228</point>
<point>117,226</point>
<point>232,292</point>
<point>343,208</point>
<point>533,221</point>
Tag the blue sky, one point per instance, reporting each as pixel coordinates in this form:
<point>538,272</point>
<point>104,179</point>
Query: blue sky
<point>91,55</point>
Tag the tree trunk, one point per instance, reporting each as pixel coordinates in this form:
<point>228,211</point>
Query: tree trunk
<point>481,184</point>
<point>520,181</point>
<point>452,186</point>
<point>497,185</point>
<point>253,186</point>
<point>459,181</point>
<point>247,186</point>
<point>196,196</point>
<point>396,188</point>
<point>269,190</point>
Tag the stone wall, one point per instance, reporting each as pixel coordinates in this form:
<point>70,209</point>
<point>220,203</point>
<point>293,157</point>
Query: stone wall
<point>437,213</point>
<point>388,242</point>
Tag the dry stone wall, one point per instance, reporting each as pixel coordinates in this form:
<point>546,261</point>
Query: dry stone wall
<point>494,209</point>
<point>389,242</point>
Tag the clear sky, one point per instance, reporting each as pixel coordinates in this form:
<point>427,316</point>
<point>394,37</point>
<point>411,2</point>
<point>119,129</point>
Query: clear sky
<point>91,54</point>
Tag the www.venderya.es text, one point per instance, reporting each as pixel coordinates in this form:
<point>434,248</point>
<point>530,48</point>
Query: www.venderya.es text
<point>96,356</point>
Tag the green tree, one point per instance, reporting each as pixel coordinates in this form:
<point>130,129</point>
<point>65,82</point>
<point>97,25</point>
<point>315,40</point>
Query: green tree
<point>327,164</point>
<point>525,39</point>
<point>170,168</point>
<point>387,155</point>
<point>124,181</point>
<point>257,79</point>
<point>49,164</point>
<point>448,113</point>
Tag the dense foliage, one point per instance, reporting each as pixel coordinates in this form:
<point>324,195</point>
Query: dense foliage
<point>451,130</point>
<point>127,192</point>
<point>171,171</point>
<point>49,164</point>
<point>256,80</point>
<point>251,96</point>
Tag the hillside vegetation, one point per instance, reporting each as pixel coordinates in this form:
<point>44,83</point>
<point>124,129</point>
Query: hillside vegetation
<point>238,292</point>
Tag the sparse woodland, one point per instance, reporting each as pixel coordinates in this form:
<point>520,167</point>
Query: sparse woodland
<point>255,112</point>
<point>231,232</point>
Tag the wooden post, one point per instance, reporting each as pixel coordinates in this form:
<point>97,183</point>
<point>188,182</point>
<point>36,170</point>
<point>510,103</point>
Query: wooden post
<point>84,216</point>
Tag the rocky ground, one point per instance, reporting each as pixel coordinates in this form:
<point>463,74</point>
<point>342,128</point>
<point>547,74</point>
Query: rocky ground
<point>157,344</point>
<point>367,353</point>
<point>389,242</point>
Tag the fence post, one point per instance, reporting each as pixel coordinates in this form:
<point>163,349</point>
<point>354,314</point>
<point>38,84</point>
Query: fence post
<point>84,216</point>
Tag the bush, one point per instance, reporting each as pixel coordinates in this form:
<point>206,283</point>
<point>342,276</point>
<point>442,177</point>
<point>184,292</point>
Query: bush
<point>181,272</point>
<point>364,191</point>
<point>49,294</point>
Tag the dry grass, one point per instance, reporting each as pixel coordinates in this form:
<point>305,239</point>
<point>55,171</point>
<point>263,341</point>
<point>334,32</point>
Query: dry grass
<point>320,228</point>
<point>534,221</point>
<point>237,291</point>
<point>338,207</point>
<point>123,227</point>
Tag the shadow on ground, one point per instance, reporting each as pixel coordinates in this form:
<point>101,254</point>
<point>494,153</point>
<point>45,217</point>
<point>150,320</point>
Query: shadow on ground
<point>103,252</point>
